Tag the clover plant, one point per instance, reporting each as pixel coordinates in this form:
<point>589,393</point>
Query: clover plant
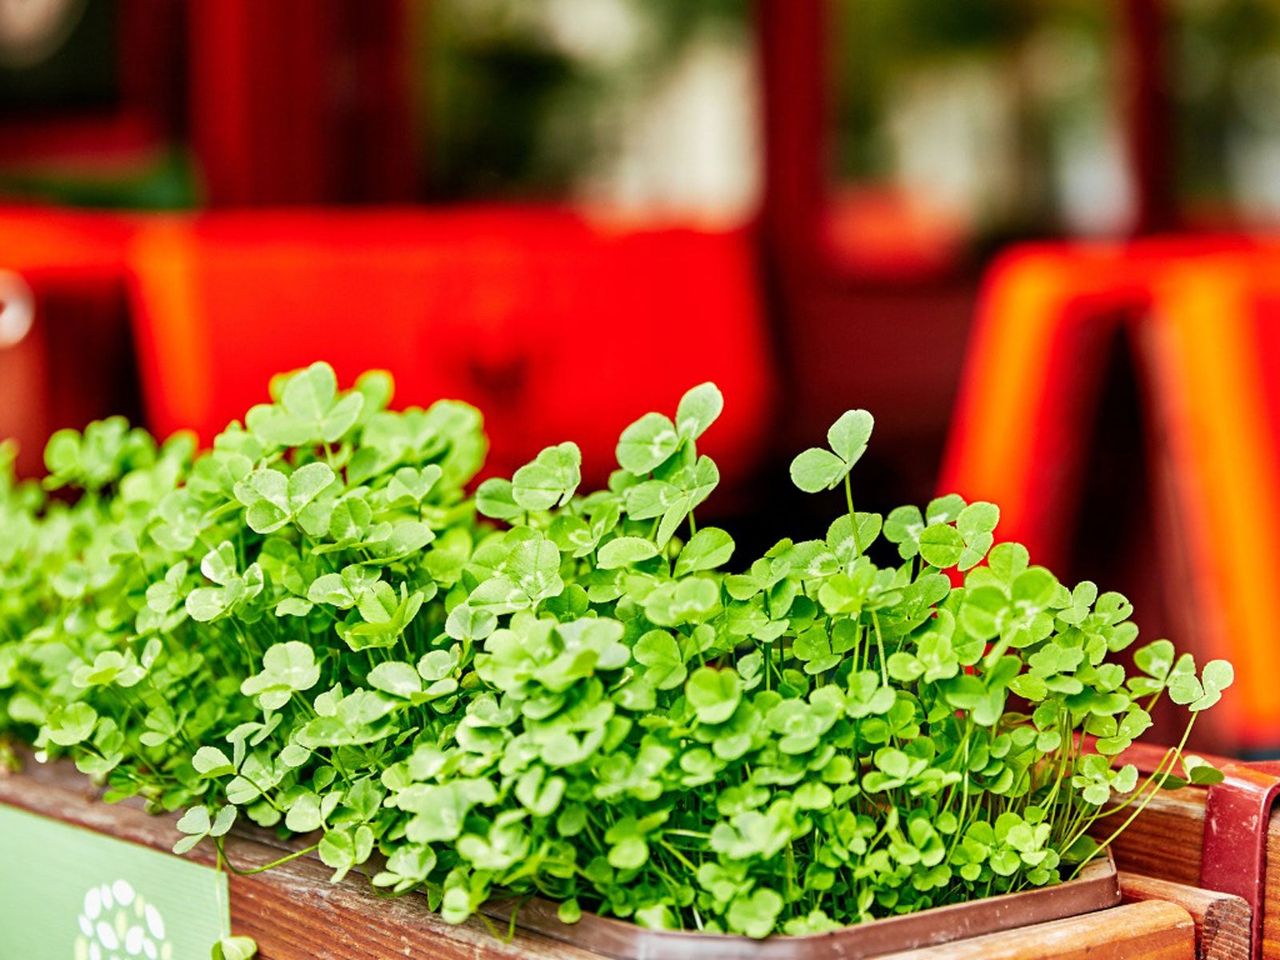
<point>538,689</point>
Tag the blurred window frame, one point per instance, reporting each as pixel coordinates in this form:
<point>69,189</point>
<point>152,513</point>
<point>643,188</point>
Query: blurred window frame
<point>803,197</point>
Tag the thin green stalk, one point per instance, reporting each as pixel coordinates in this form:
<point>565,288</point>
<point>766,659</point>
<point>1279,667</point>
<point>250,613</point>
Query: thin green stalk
<point>266,866</point>
<point>853,516</point>
<point>1172,756</point>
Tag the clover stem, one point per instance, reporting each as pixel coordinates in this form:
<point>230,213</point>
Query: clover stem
<point>1063,753</point>
<point>261,790</point>
<point>996,652</point>
<point>853,517</point>
<point>693,524</point>
<point>791,872</point>
<point>1172,756</point>
<point>884,671</point>
<point>29,685</point>
<point>337,764</point>
<point>1155,698</point>
<point>964,789</point>
<point>489,927</point>
<point>688,865</point>
<point>226,861</point>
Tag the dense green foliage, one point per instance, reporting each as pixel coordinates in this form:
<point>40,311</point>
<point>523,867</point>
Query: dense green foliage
<point>533,689</point>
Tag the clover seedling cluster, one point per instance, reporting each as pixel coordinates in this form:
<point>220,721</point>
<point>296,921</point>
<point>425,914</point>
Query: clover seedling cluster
<point>536,689</point>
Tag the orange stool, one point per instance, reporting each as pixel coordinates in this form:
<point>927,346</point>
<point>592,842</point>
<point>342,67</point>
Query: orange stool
<point>1032,373</point>
<point>1213,348</point>
<point>1203,315</point>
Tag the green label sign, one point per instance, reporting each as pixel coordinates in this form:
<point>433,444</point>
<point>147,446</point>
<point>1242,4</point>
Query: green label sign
<point>67,893</point>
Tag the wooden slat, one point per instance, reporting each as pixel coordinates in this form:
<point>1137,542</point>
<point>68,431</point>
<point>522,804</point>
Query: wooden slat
<point>1155,930</point>
<point>1271,894</point>
<point>1165,841</point>
<point>1222,920</point>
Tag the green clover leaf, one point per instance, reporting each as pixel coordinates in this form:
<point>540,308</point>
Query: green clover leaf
<point>396,678</point>
<point>713,694</point>
<point>412,486</point>
<point>625,551</point>
<point>976,524</point>
<point>903,526</point>
<point>647,444</point>
<point>211,762</point>
<point>496,498</point>
<point>235,948</point>
<point>287,668</point>
<point>941,545</point>
<point>707,549</point>
<point>818,469</point>
<point>1215,677</point>
<point>71,724</point>
<point>550,480</point>
<point>1200,772</point>
<point>755,914</point>
<point>658,651</point>
<point>273,499</point>
<point>310,410</point>
<point>698,409</point>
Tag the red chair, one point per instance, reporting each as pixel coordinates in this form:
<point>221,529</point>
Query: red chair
<point>556,327</point>
<point>75,361</point>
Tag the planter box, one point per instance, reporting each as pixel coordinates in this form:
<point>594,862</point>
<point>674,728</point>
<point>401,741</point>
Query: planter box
<point>294,912</point>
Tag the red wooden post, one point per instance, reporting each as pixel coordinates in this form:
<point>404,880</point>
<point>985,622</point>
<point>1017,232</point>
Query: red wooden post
<point>301,102</point>
<point>1147,116</point>
<point>793,56</point>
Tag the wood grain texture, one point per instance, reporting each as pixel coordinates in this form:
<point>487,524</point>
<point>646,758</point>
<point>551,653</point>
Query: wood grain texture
<point>1271,895</point>
<point>1156,930</point>
<point>1165,841</point>
<point>1222,920</point>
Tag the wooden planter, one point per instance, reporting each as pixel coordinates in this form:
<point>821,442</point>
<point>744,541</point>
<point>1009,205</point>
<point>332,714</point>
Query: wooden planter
<point>1224,839</point>
<point>294,912</point>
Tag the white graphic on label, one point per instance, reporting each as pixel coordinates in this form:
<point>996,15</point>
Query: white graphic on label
<point>117,923</point>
